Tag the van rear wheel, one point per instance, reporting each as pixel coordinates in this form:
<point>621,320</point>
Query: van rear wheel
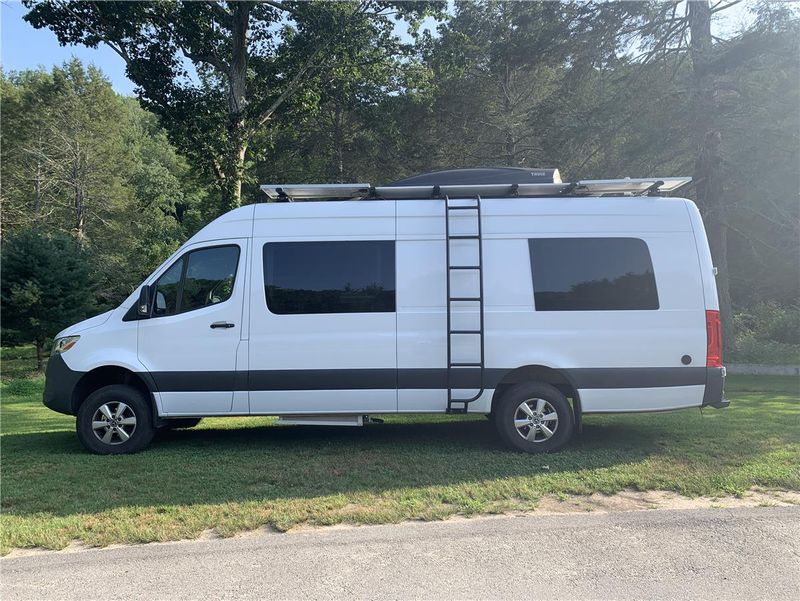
<point>115,420</point>
<point>534,417</point>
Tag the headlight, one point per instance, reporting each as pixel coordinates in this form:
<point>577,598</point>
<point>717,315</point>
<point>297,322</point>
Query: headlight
<point>62,345</point>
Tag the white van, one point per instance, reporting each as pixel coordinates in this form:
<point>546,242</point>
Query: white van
<point>533,303</point>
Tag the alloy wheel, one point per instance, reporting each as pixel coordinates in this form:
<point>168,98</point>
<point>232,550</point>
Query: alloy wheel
<point>536,420</point>
<point>114,423</point>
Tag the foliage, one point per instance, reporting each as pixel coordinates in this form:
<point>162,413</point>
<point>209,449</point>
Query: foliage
<point>749,349</point>
<point>60,132</point>
<point>767,333</point>
<point>46,286</point>
<point>329,92</point>
<point>236,474</point>
<point>571,86</point>
<point>82,161</point>
<point>770,321</point>
<point>249,58</point>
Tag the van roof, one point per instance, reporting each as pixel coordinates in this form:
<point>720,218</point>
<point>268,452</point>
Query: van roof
<point>239,223</point>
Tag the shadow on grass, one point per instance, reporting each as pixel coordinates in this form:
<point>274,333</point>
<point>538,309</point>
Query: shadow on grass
<point>252,460</point>
<point>50,472</point>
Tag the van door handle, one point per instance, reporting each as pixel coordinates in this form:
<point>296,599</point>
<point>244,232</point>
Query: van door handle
<point>222,324</point>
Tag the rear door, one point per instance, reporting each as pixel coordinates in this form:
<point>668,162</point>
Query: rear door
<point>190,343</point>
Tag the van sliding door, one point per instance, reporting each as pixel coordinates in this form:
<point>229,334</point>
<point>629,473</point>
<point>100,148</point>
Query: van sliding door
<point>322,317</point>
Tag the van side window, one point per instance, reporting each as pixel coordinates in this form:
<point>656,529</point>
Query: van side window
<point>329,277</point>
<point>167,288</point>
<point>592,274</point>
<point>209,277</point>
<point>199,278</point>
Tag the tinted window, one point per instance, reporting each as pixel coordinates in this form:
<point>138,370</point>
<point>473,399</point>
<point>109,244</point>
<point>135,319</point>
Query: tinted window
<point>208,280</point>
<point>167,287</point>
<point>209,277</point>
<point>592,274</point>
<point>329,277</point>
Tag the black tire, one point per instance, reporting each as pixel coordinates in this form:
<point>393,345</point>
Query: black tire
<point>181,422</point>
<point>139,433</point>
<point>509,408</point>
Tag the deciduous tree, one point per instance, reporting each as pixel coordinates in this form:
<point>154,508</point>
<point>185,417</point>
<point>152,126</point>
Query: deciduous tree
<point>249,58</point>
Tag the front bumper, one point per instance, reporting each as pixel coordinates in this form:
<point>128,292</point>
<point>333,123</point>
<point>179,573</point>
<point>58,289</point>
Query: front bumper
<point>59,385</point>
<point>714,395</point>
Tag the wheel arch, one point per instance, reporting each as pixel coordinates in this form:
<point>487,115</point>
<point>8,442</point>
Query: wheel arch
<point>558,378</point>
<point>107,375</point>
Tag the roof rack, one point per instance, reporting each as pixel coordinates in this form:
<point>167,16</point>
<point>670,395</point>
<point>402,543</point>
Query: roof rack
<point>589,187</point>
<point>483,175</point>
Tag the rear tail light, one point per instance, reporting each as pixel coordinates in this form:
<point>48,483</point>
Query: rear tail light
<point>714,340</point>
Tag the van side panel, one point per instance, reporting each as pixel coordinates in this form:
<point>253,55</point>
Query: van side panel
<point>620,360</point>
<point>320,362</point>
<point>636,353</point>
<point>623,400</point>
<point>421,310</point>
<point>703,256</point>
<point>715,377</point>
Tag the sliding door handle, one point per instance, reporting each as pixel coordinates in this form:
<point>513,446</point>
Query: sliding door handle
<point>222,324</point>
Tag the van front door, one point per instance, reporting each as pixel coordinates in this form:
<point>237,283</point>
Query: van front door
<point>190,342</point>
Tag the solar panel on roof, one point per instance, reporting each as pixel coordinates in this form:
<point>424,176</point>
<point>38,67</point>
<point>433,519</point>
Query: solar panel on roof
<point>495,182</point>
<point>482,176</point>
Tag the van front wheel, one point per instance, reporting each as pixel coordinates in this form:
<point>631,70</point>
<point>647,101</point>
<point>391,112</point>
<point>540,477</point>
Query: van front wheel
<point>534,418</point>
<point>115,420</point>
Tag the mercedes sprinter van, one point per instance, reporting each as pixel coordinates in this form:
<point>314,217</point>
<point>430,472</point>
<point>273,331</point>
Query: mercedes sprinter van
<point>504,292</point>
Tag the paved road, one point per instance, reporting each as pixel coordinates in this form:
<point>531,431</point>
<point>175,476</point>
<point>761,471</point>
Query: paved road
<point>709,554</point>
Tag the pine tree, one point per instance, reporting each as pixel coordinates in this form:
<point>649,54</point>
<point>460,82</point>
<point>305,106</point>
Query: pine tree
<point>46,285</point>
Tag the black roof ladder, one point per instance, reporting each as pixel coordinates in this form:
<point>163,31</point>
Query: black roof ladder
<point>466,374</point>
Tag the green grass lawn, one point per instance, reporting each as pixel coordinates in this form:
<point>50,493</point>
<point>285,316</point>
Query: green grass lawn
<point>19,362</point>
<point>233,474</point>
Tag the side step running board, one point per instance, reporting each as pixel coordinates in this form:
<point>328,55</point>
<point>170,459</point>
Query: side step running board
<point>327,420</point>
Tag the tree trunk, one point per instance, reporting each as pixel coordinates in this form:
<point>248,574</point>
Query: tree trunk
<point>708,165</point>
<point>80,214</point>
<point>338,141</point>
<point>39,344</point>
<point>508,107</point>
<point>37,193</point>
<point>234,169</point>
<point>79,202</point>
<point>237,104</point>
<point>78,193</point>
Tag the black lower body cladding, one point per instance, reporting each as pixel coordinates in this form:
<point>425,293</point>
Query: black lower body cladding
<point>411,378</point>
<point>60,382</point>
<point>714,395</point>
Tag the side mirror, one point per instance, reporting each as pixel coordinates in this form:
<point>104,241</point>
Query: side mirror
<point>143,305</point>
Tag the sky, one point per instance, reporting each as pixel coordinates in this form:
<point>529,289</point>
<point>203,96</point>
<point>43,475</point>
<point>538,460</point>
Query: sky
<point>23,47</point>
